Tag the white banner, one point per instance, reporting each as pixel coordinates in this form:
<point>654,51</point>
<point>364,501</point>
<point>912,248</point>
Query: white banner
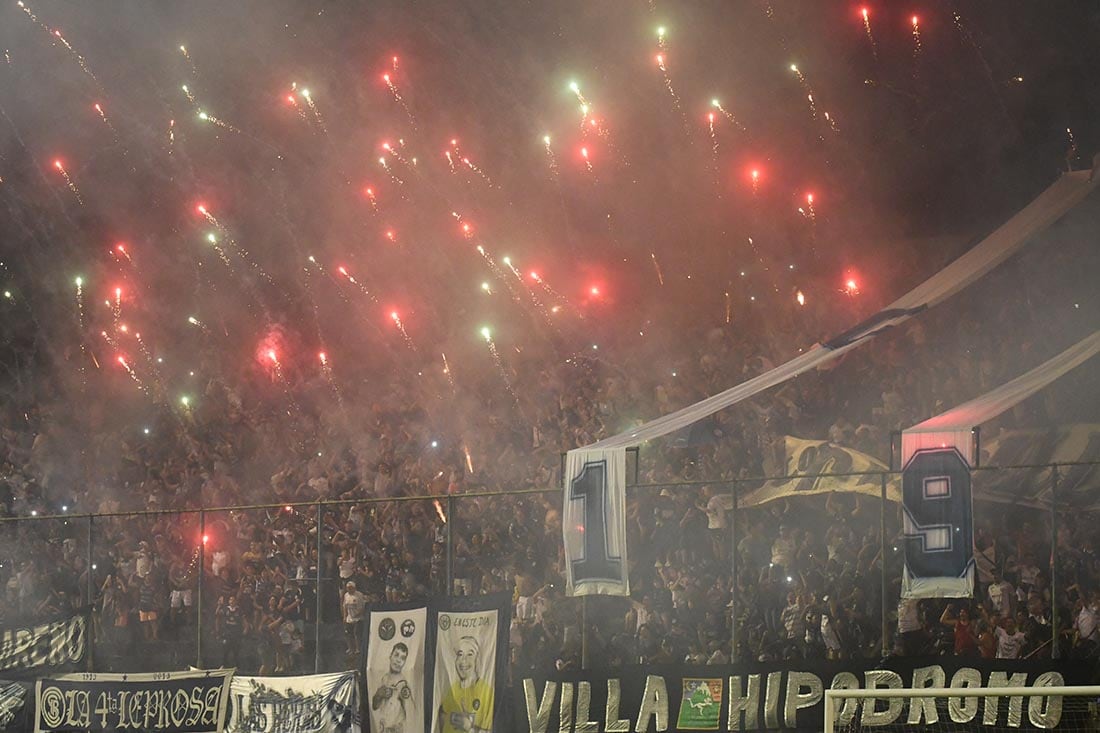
<point>465,672</point>
<point>395,670</point>
<point>320,703</point>
<point>594,523</point>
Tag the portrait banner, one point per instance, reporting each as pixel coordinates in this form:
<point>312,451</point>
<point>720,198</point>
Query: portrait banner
<point>168,702</point>
<point>395,669</point>
<point>470,664</point>
<point>319,703</point>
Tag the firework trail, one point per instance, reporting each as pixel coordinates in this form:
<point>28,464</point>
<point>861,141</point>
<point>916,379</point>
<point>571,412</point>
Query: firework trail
<point>187,93</point>
<point>714,153</point>
<point>1071,152</point>
<point>326,370</point>
<point>488,336</point>
<point>133,375</point>
<point>79,282</point>
<point>660,58</point>
<point>69,181</point>
<point>397,96</point>
<point>198,324</point>
<point>207,117</point>
<point>727,114</point>
<point>351,279</point>
<point>755,174</point>
<point>369,193</point>
<point>499,273</point>
<point>404,334</point>
<point>292,100</point>
<point>551,161</point>
<point>806,88</point>
<point>313,108</point>
<point>171,136</point>
<point>865,13</point>
<point>103,116</point>
<point>657,268</point>
<point>447,373</point>
<point>729,307</point>
<point>587,162</point>
<point>190,61</point>
<point>918,48</point>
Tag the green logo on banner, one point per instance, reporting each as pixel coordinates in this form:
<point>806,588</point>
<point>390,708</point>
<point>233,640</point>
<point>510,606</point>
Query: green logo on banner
<point>701,705</point>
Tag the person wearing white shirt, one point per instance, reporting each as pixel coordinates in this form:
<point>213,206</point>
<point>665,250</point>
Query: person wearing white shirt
<point>1010,641</point>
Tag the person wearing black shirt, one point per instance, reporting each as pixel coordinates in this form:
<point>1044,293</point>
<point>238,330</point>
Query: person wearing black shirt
<point>232,626</point>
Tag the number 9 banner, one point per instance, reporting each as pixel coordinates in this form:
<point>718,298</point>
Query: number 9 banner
<point>938,525</point>
<point>594,522</point>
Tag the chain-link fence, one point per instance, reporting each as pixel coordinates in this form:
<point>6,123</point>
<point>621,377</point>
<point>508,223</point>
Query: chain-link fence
<point>715,573</point>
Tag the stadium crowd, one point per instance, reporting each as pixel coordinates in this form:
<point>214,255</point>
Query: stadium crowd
<point>808,568</point>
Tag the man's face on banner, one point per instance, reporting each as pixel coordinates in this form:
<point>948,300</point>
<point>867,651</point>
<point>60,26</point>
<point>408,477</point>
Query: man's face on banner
<point>397,658</point>
<point>465,659</point>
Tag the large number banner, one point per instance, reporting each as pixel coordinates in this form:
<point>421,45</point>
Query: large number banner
<point>594,523</point>
<point>172,702</point>
<point>320,703</point>
<point>395,669</point>
<point>55,643</point>
<point>439,666</point>
<point>790,696</point>
<point>937,525</point>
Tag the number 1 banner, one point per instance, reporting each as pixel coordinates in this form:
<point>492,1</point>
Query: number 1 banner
<point>594,522</point>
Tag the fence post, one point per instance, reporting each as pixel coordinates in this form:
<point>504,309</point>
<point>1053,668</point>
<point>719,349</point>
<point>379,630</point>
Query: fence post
<point>91,602</point>
<point>882,552</point>
<point>199,599</point>
<point>1054,653</point>
<point>449,542</point>
<point>733,573</point>
<point>317,618</point>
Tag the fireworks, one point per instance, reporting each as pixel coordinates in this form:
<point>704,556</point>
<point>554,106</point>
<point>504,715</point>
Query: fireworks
<point>754,174</point>
<point>397,94</point>
<point>404,334</point>
<point>190,61</point>
<point>660,58</point>
<point>800,298</point>
<point>551,161</point>
<point>806,88</point>
<point>103,116</point>
<point>713,149</point>
<point>917,47</point>
<point>207,117</point>
<point>188,94</point>
<point>726,113</point>
<point>313,108</point>
<point>488,336</point>
<point>129,370</point>
<point>120,250</point>
<point>587,161</point>
<point>657,268</point>
<point>866,15</point>
<point>1071,151</point>
<point>369,193</point>
<point>69,181</point>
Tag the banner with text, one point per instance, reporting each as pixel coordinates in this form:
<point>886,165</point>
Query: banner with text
<point>15,713</point>
<point>319,703</point>
<point>56,643</point>
<point>790,696</point>
<point>172,702</point>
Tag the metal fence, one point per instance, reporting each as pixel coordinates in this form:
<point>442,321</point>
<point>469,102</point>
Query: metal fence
<point>454,556</point>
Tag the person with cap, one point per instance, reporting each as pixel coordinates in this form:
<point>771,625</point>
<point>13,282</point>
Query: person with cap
<point>467,706</point>
<point>353,607</point>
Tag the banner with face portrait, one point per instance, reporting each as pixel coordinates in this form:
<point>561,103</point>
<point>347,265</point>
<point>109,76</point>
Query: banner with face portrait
<point>470,658</point>
<point>395,670</point>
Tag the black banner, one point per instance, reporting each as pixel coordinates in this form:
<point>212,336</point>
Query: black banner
<point>56,643</point>
<point>790,696</point>
<point>174,702</point>
<point>15,712</point>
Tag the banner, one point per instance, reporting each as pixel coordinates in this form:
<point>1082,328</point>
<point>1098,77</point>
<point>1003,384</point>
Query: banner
<point>790,696</point>
<point>806,459</point>
<point>937,520</point>
<point>395,669</point>
<point>174,702</point>
<point>15,713</point>
<point>437,666</point>
<point>1078,486</point>
<point>467,670</point>
<point>320,703</point>
<point>594,523</point>
<point>53,644</point>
